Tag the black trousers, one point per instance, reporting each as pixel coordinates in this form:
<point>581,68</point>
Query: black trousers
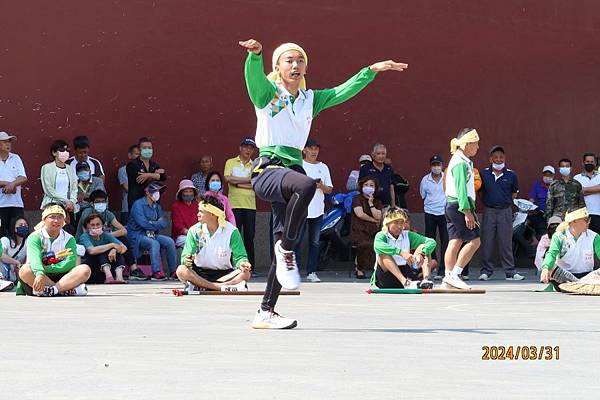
<point>245,220</point>
<point>97,261</point>
<point>6,215</point>
<point>433,225</point>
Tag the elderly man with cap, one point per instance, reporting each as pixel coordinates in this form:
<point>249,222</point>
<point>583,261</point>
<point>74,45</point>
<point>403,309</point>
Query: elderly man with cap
<point>462,224</point>
<point>499,187</point>
<point>285,109</point>
<point>570,257</point>
<point>210,246</point>
<point>51,268</point>
<point>12,177</point>
<point>352,182</point>
<point>402,255</point>
<point>434,206</point>
<point>238,171</point>
<point>184,211</point>
<point>146,220</point>
<point>538,196</point>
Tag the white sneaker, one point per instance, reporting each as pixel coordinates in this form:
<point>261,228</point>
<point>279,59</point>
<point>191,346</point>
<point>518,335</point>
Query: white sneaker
<point>5,286</point>
<point>484,277</point>
<point>312,277</point>
<point>287,270</point>
<point>190,288</point>
<point>80,290</point>
<point>238,287</point>
<point>272,320</point>
<point>426,284</point>
<point>515,277</point>
<point>456,283</point>
<point>411,284</point>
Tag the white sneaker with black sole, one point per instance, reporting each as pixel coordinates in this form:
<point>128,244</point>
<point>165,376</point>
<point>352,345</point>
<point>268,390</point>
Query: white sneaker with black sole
<point>287,269</point>
<point>455,282</point>
<point>238,287</point>
<point>80,290</point>
<point>5,286</point>
<point>426,284</point>
<point>312,277</point>
<point>515,277</point>
<point>272,320</point>
<point>484,277</point>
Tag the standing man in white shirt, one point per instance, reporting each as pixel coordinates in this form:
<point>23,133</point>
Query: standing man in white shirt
<point>320,172</point>
<point>434,206</point>
<point>590,182</point>
<point>12,177</point>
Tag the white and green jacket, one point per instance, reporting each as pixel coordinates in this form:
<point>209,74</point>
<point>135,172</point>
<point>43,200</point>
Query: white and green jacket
<point>283,120</point>
<point>214,251</point>
<point>460,182</point>
<point>575,255</point>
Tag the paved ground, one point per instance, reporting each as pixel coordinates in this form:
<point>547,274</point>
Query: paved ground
<point>138,342</point>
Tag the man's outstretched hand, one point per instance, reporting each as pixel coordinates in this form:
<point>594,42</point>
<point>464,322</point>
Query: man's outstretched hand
<point>251,45</point>
<point>389,65</point>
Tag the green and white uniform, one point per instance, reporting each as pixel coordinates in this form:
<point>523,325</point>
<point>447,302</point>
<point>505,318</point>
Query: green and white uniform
<point>214,251</point>
<point>460,182</point>
<point>575,255</point>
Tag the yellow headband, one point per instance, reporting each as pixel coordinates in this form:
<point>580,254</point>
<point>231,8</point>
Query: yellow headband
<point>469,137</point>
<point>571,217</point>
<point>395,216</point>
<point>274,76</point>
<point>217,212</point>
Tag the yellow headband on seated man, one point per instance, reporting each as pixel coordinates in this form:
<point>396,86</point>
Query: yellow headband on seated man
<point>217,212</point>
<point>274,76</point>
<point>394,216</point>
<point>469,137</point>
<point>581,213</point>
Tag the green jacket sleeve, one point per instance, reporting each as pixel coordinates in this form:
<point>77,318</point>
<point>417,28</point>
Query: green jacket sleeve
<point>191,245</point>
<point>597,245</point>
<point>237,248</point>
<point>416,240</point>
<point>381,246</point>
<point>326,98</point>
<point>34,254</point>
<point>459,173</point>
<point>68,263</point>
<point>554,251</point>
<point>260,89</point>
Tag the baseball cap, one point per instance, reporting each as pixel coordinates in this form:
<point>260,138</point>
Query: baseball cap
<point>248,142</point>
<point>155,187</point>
<point>311,142</point>
<point>6,136</point>
<point>548,168</point>
<point>435,159</point>
<point>554,220</point>
<point>364,157</point>
<point>495,148</point>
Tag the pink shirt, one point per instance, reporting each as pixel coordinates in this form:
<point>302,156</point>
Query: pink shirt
<point>228,211</point>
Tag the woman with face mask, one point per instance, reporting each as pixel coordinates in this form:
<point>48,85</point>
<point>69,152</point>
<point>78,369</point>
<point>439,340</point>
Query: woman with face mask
<point>214,187</point>
<point>14,249</point>
<point>366,222</point>
<point>184,212</point>
<point>59,183</point>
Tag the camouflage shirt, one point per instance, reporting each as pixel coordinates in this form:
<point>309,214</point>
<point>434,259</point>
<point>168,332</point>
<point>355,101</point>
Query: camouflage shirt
<point>562,197</point>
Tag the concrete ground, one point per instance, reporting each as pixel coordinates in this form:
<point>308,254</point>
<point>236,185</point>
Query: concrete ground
<point>139,342</point>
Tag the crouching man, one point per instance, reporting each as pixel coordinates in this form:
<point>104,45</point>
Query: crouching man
<point>402,255</point>
<point>570,257</point>
<point>51,268</point>
<point>208,250</point>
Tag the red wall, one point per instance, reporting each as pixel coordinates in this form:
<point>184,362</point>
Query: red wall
<point>524,73</point>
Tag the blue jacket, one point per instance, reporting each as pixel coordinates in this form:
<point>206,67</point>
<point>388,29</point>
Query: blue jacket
<point>142,219</point>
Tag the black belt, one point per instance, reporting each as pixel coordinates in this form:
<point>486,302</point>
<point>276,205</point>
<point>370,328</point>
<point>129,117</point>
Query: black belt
<point>498,207</point>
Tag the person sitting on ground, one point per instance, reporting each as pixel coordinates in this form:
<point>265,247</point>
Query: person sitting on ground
<point>544,243</point>
<point>431,262</point>
<point>365,223</point>
<point>86,184</point>
<point>570,257</point>
<point>146,220</point>
<point>104,253</point>
<point>15,252</point>
<point>209,248</point>
<point>184,212</point>
<point>99,204</point>
<point>51,268</point>
<point>214,187</point>
<point>352,182</point>
<point>402,255</point>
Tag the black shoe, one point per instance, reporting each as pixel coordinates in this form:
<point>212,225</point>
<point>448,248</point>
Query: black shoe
<point>138,275</point>
<point>360,276</point>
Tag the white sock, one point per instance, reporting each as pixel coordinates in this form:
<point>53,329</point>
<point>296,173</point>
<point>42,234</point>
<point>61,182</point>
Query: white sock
<point>456,271</point>
<point>447,273</point>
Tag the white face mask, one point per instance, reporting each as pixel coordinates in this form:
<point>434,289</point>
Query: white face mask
<point>498,167</point>
<point>368,190</point>
<point>62,156</point>
<point>155,196</point>
<point>436,170</point>
<point>548,179</point>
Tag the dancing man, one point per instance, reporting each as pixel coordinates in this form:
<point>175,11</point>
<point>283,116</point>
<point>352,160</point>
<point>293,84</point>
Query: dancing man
<point>285,110</point>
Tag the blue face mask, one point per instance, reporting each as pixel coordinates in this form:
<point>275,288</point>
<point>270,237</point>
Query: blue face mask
<point>146,153</point>
<point>565,171</point>
<point>83,175</point>
<point>22,231</point>
<point>100,207</point>
<point>215,186</point>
